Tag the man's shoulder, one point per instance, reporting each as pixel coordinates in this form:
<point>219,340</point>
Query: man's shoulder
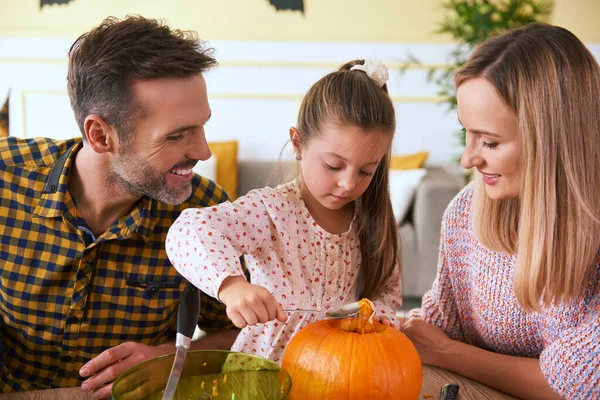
<point>32,152</point>
<point>206,192</point>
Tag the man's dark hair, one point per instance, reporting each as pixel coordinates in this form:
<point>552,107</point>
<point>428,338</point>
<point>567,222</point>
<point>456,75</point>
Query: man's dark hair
<point>104,63</point>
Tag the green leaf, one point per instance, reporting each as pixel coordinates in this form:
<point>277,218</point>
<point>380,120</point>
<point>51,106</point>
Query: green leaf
<point>470,22</point>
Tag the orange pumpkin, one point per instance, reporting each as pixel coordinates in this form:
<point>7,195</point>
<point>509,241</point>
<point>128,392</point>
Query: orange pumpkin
<point>330,359</point>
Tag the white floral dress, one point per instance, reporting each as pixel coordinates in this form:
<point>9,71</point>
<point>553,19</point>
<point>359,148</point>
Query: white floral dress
<point>286,251</point>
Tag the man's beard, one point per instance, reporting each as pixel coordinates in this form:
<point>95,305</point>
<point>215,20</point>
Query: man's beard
<point>140,179</point>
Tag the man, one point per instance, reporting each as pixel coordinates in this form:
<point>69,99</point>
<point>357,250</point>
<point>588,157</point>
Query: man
<point>86,288</point>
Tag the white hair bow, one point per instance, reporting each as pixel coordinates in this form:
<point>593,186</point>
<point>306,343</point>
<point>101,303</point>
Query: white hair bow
<point>376,71</point>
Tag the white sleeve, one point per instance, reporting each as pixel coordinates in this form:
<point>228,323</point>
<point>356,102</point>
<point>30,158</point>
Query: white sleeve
<point>390,299</point>
<point>205,244</point>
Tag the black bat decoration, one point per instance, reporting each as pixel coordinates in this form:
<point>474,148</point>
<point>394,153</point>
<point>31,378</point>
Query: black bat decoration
<point>294,5</point>
<point>51,2</point>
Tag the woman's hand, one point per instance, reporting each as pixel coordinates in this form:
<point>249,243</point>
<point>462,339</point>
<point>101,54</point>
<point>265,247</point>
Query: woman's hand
<point>430,341</point>
<point>249,304</point>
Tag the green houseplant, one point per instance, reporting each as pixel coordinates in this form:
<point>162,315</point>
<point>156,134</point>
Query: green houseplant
<point>470,22</point>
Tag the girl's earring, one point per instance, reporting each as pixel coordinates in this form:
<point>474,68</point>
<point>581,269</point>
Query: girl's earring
<point>298,157</point>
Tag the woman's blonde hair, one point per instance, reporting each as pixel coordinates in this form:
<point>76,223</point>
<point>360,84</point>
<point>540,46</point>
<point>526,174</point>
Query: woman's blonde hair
<point>552,83</point>
<point>351,97</point>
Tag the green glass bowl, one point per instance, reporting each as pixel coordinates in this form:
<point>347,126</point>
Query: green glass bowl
<point>206,375</point>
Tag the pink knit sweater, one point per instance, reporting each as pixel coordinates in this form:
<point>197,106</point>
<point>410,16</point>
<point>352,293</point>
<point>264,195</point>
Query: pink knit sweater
<point>473,301</point>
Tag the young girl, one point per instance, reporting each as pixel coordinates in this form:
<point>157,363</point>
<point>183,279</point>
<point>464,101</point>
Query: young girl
<point>322,240</point>
<point>516,303</point>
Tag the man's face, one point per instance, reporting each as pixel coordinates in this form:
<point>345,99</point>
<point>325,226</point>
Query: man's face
<point>167,139</point>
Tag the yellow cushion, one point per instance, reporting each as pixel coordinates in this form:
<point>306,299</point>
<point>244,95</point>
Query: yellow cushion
<point>409,161</point>
<point>4,120</point>
<point>227,165</point>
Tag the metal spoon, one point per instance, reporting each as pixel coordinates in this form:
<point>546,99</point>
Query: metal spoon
<point>345,311</point>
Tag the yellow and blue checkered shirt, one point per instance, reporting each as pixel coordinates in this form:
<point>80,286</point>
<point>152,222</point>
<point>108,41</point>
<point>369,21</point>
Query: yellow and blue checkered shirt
<point>65,297</point>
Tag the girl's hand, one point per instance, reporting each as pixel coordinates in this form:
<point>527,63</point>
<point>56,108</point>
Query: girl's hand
<point>430,341</point>
<point>249,304</point>
<point>382,320</point>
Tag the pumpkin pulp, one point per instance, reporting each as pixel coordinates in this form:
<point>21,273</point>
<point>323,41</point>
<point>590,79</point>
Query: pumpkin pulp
<point>363,323</point>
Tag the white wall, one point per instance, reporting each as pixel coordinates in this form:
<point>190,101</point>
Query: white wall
<point>254,94</point>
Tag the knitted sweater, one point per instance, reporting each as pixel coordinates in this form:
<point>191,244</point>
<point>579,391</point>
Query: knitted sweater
<point>473,301</point>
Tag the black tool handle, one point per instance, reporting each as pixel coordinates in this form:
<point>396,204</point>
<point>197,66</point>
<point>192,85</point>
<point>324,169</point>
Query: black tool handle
<point>189,309</point>
<point>449,392</point>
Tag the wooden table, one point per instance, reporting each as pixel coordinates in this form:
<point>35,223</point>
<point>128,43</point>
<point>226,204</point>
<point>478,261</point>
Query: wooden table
<point>433,380</point>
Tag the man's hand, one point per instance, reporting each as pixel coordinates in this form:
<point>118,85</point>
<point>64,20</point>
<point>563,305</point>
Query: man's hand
<point>249,304</point>
<point>430,341</point>
<point>103,369</point>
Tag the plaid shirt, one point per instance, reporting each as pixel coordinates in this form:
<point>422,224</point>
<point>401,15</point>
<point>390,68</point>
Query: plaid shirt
<point>65,297</point>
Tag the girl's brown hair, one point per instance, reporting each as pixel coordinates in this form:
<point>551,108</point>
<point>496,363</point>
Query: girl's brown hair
<point>351,97</point>
<point>552,83</point>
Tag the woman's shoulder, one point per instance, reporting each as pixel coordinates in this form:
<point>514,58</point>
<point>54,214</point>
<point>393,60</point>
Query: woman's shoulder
<point>460,208</point>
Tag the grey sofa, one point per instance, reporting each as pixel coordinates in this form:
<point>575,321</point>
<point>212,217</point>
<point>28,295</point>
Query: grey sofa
<point>419,232</point>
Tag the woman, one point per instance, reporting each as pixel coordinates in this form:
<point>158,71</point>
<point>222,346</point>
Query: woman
<point>516,302</point>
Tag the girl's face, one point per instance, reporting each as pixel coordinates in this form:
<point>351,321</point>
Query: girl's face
<point>492,141</point>
<point>339,162</point>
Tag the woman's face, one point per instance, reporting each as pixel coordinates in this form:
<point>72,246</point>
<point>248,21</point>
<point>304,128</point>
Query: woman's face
<point>492,140</point>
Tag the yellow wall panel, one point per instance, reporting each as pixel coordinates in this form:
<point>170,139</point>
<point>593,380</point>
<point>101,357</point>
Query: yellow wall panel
<point>323,20</point>
<point>580,17</point>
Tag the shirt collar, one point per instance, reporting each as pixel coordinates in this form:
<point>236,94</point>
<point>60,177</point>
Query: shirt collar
<point>52,198</point>
<point>140,220</point>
